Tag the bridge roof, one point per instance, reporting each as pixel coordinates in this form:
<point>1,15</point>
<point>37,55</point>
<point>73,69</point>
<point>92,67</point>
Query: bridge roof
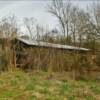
<point>52,45</point>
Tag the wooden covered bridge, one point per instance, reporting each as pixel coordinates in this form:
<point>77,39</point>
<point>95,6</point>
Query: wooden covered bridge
<point>32,43</point>
<point>28,52</point>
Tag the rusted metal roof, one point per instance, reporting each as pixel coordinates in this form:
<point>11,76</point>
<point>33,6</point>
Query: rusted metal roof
<point>52,45</point>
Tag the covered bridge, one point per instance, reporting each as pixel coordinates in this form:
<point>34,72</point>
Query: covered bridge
<point>31,43</point>
<point>37,53</point>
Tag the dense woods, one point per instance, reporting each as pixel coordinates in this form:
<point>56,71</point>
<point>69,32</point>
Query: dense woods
<point>77,27</point>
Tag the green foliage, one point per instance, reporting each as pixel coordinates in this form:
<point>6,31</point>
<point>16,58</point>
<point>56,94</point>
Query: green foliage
<point>14,82</point>
<point>71,98</point>
<point>90,98</point>
<point>95,89</point>
<point>64,88</point>
<point>1,82</point>
<point>32,98</point>
<point>30,86</point>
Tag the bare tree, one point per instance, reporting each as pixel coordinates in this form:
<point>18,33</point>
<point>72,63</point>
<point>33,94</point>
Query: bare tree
<point>73,23</point>
<point>8,31</point>
<point>90,20</point>
<point>61,10</point>
<point>30,24</point>
<point>8,27</point>
<point>83,25</point>
<point>96,17</point>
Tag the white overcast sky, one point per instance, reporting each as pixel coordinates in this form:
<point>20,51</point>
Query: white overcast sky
<point>33,8</point>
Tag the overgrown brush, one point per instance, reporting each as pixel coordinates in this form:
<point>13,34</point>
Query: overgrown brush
<point>53,60</point>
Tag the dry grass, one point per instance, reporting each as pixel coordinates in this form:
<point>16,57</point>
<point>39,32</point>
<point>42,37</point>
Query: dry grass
<point>39,86</point>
